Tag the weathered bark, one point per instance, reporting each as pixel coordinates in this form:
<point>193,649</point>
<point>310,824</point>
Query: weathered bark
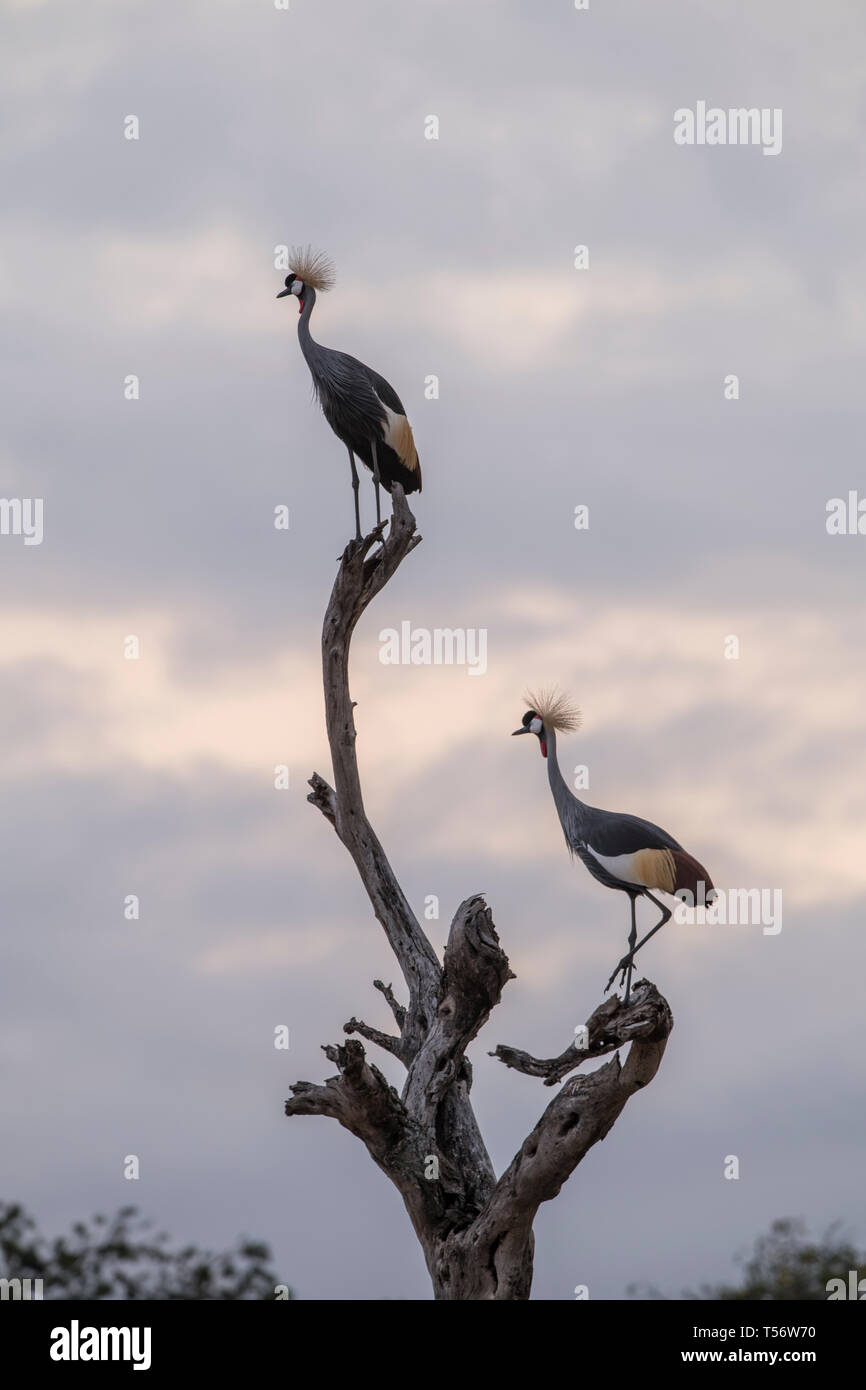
<point>647,1018</point>
<point>475,1231</point>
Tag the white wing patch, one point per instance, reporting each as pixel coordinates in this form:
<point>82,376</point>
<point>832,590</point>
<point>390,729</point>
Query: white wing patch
<point>621,866</point>
<point>648,868</point>
<point>398,434</point>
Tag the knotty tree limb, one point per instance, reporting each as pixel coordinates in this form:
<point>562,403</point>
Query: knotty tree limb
<point>611,1026</point>
<point>476,1232</point>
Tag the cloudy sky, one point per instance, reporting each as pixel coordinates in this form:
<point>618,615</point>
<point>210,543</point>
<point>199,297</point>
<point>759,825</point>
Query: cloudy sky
<point>558,388</point>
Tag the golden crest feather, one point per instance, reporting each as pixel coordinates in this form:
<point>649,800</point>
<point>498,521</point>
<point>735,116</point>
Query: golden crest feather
<point>555,709</point>
<point>313,267</point>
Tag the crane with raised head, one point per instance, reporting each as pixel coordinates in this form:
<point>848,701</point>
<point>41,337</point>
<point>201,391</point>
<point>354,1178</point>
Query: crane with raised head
<point>621,851</point>
<point>362,408</point>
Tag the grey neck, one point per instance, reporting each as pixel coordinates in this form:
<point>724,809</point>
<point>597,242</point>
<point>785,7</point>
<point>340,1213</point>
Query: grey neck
<point>308,346</point>
<point>571,810</point>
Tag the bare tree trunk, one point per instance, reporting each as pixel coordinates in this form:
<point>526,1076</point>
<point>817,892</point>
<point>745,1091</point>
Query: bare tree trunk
<point>476,1232</point>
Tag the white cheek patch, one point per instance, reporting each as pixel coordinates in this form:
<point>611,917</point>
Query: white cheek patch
<point>536,726</point>
<point>298,287</point>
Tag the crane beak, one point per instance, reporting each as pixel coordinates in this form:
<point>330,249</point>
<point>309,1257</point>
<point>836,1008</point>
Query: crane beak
<point>521,730</point>
<point>282,294</point>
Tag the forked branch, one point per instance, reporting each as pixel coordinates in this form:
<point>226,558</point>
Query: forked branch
<point>476,1233</point>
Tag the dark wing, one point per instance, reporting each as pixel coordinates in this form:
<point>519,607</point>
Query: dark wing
<point>385,391</point>
<point>349,371</point>
<point>614,833</point>
<point>405,468</point>
<point>659,861</point>
<point>361,406</point>
<point>347,397</point>
<point>344,376</point>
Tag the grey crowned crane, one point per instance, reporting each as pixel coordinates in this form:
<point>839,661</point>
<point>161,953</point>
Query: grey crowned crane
<point>362,408</point>
<point>621,851</point>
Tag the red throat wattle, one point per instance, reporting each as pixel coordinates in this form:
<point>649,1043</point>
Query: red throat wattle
<point>300,303</point>
<point>544,748</point>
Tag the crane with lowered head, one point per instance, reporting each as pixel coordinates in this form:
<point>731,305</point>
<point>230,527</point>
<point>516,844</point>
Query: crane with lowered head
<point>620,851</point>
<point>362,408</point>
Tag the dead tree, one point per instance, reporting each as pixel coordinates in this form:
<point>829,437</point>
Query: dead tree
<point>475,1229</point>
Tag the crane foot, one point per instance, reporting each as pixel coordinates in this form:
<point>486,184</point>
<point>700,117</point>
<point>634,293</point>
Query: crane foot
<point>624,966</point>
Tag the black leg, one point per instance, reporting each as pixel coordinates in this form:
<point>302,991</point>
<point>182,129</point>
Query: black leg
<point>376,481</point>
<point>626,964</point>
<point>666,916</point>
<point>355,486</point>
<point>632,938</point>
